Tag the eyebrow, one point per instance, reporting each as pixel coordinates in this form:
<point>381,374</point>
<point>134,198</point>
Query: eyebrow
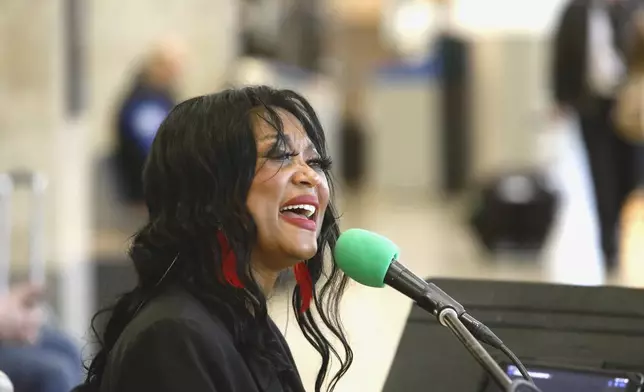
<point>273,137</point>
<point>270,137</point>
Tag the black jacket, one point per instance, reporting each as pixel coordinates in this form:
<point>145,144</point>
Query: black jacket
<point>570,57</point>
<point>175,345</point>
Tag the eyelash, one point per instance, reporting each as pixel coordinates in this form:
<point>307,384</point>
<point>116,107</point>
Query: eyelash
<point>324,163</point>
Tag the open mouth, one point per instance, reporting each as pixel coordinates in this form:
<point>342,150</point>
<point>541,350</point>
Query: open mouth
<point>299,211</point>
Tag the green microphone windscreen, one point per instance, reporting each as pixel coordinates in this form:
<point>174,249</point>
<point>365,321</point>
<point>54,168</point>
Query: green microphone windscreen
<point>365,256</point>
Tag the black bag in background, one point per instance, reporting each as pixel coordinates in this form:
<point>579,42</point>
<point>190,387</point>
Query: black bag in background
<point>514,212</point>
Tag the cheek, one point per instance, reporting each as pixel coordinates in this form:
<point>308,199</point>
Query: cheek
<point>323,194</point>
<point>264,195</point>
<point>256,199</point>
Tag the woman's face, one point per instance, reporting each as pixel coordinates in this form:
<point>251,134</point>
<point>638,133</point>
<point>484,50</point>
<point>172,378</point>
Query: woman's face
<point>288,196</point>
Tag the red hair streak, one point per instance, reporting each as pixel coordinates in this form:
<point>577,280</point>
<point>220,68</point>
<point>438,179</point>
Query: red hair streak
<point>305,285</point>
<point>228,262</point>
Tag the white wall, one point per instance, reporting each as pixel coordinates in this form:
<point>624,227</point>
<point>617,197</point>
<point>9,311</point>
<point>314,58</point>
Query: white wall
<point>403,119</point>
<point>504,16</point>
<point>510,101</point>
<point>487,16</point>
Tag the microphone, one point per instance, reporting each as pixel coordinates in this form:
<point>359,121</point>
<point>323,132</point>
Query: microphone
<point>372,260</point>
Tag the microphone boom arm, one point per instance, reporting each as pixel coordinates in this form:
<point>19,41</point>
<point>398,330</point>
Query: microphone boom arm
<point>449,318</point>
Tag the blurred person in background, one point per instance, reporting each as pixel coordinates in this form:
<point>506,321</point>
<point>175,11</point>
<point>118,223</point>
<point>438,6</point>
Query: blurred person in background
<point>629,119</point>
<point>144,107</point>
<point>238,190</point>
<point>588,70</point>
<point>37,358</point>
<point>629,110</point>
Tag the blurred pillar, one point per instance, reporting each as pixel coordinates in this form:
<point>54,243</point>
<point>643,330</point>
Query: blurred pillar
<point>259,22</point>
<point>455,112</point>
<point>301,34</point>
<point>72,155</point>
<point>74,64</point>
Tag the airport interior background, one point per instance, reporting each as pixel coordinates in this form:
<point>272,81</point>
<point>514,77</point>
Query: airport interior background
<point>429,129</point>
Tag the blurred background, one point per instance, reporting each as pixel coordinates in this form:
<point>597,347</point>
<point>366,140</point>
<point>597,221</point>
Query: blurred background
<point>443,121</point>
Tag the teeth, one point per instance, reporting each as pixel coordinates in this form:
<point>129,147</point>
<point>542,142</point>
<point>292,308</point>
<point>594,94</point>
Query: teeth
<point>309,209</point>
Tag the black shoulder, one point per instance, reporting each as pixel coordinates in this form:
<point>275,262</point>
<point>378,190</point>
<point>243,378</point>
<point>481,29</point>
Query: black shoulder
<point>174,344</point>
<point>171,355</point>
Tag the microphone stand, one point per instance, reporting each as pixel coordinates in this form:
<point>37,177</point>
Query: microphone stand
<point>449,318</point>
<point>448,311</point>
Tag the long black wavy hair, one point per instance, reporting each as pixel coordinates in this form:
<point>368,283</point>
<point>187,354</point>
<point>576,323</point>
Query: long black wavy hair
<point>196,181</point>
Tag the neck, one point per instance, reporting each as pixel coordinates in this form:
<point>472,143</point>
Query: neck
<point>264,277</point>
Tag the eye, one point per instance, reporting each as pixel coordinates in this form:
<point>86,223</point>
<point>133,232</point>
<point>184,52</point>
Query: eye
<point>282,156</point>
<point>322,163</point>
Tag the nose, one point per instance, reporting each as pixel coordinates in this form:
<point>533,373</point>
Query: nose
<point>306,176</point>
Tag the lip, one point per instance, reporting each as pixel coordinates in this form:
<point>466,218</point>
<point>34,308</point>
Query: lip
<point>309,224</point>
<point>304,199</point>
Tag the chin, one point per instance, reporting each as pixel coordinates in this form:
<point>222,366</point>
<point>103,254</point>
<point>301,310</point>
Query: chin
<point>305,252</point>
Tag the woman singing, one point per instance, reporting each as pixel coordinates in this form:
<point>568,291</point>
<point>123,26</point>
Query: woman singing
<point>237,190</point>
